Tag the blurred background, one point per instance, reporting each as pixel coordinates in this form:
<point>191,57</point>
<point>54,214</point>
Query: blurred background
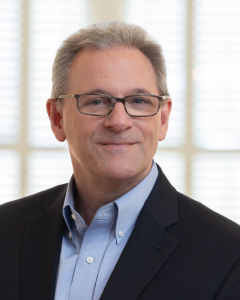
<point>201,43</point>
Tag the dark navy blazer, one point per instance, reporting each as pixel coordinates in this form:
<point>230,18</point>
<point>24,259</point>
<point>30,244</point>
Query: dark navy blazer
<point>178,250</point>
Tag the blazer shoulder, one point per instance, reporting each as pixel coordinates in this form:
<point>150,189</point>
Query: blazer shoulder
<point>32,205</point>
<point>204,221</point>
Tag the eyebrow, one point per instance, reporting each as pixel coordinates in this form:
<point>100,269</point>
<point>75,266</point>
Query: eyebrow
<point>131,92</point>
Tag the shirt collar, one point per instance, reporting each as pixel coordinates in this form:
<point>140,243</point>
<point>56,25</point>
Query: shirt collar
<point>68,207</point>
<point>128,206</point>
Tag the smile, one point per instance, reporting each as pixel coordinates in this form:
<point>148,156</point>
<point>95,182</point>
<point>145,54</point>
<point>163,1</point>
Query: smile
<point>118,145</point>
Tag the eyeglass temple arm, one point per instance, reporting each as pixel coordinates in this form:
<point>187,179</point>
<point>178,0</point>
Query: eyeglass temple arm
<point>65,96</point>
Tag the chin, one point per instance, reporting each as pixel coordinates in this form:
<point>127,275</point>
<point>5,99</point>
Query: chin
<point>119,170</point>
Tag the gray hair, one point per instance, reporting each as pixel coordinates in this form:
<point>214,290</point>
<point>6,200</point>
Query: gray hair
<point>104,36</point>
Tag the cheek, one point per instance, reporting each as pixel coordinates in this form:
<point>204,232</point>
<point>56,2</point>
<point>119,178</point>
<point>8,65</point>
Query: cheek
<point>154,127</point>
<point>81,132</point>
<point>73,132</point>
<point>151,134</point>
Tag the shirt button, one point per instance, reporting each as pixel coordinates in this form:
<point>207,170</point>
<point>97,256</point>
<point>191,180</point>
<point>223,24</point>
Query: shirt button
<point>74,217</point>
<point>70,235</point>
<point>120,233</point>
<point>89,259</point>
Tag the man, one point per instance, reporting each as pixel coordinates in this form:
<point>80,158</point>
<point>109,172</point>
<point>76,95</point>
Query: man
<point>118,230</point>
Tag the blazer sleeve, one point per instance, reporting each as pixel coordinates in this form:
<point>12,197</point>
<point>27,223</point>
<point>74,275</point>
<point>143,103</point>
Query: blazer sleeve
<point>230,288</point>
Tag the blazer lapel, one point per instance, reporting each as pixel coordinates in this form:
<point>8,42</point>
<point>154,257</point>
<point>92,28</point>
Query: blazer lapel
<point>149,245</point>
<point>41,249</point>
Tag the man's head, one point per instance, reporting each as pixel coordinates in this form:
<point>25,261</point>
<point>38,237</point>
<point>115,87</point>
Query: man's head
<point>115,147</point>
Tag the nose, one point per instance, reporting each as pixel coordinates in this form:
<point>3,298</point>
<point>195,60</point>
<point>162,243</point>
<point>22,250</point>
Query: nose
<point>118,120</point>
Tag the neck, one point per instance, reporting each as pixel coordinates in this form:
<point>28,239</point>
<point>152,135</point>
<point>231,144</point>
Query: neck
<point>93,193</point>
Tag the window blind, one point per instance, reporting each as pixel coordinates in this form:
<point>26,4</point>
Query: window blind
<point>46,169</point>
<point>173,166</point>
<point>216,74</point>
<point>216,105</point>
<point>50,23</point>
<point>216,178</point>
<point>10,71</point>
<point>9,175</point>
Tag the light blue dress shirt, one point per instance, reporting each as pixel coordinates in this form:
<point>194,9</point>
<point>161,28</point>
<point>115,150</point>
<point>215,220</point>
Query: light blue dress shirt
<point>89,254</point>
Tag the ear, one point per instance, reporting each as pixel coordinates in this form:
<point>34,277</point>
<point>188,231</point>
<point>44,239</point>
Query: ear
<point>165,113</point>
<point>56,119</point>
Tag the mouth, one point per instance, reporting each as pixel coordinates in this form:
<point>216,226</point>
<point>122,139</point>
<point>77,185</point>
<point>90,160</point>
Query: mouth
<point>118,144</point>
<point>122,145</point>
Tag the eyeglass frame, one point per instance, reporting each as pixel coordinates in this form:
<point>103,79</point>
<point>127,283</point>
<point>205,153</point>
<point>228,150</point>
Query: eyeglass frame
<point>115,100</point>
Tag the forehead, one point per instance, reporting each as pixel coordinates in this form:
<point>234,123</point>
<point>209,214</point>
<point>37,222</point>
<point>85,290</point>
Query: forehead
<point>117,70</point>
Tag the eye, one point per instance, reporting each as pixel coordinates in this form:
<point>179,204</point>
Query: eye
<point>140,100</point>
<point>96,102</point>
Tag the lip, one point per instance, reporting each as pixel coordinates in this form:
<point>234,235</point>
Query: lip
<point>118,145</point>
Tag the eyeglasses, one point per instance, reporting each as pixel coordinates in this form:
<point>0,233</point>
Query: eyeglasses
<point>101,105</point>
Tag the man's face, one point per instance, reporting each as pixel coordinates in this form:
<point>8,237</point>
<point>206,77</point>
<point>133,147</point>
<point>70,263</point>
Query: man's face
<point>117,146</point>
